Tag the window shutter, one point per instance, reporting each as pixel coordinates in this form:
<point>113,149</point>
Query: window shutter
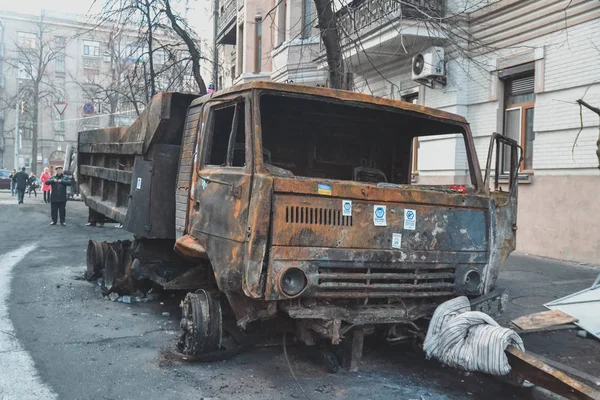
<point>522,85</point>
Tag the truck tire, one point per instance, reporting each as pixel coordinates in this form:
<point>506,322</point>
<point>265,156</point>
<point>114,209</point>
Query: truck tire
<point>201,323</point>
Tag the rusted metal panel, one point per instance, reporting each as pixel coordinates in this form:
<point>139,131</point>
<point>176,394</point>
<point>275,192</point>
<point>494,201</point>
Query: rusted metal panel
<point>336,94</point>
<point>106,174</point>
<point>366,273</point>
<point>318,221</point>
<point>258,240</point>
<point>106,156</point>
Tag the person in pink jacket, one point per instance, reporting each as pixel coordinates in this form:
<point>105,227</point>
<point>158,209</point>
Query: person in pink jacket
<point>46,188</point>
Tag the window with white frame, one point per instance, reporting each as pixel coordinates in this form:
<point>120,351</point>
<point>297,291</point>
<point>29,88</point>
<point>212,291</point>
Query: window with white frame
<point>60,63</point>
<point>307,19</point>
<point>27,40</point>
<point>91,48</point>
<point>519,106</point>
<point>59,121</point>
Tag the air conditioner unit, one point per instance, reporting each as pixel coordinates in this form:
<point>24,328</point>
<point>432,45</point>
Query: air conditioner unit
<point>428,66</point>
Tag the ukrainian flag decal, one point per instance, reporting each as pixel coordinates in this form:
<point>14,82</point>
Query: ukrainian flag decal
<point>324,189</point>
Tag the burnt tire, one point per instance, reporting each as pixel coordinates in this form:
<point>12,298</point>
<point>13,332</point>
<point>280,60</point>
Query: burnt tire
<point>111,269</point>
<point>201,323</point>
<point>94,258</point>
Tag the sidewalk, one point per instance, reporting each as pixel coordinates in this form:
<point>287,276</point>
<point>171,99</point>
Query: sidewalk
<point>533,281</point>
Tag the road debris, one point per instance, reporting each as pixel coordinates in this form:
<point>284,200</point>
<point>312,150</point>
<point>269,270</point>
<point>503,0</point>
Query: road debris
<point>583,305</point>
<point>543,319</point>
<point>470,340</point>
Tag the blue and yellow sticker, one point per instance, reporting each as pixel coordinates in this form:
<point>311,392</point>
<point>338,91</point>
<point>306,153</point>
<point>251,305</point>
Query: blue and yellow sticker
<point>324,189</point>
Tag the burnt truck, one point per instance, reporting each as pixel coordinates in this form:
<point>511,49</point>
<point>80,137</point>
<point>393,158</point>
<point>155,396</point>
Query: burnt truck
<point>297,204</point>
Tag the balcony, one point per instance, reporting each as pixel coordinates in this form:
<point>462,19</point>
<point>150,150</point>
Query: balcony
<point>226,22</point>
<point>362,14</point>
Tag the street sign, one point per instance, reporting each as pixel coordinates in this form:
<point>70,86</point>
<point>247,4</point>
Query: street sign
<point>88,108</point>
<point>60,106</point>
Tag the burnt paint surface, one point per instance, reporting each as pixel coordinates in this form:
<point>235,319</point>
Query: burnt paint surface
<point>239,218</point>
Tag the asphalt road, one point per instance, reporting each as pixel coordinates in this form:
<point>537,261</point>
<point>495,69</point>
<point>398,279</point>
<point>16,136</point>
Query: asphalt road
<point>60,339</point>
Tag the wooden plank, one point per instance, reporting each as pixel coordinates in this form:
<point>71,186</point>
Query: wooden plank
<point>541,374</point>
<point>543,319</point>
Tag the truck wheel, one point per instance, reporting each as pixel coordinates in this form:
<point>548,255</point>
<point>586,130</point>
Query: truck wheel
<point>94,260</point>
<point>111,265</point>
<point>201,323</point>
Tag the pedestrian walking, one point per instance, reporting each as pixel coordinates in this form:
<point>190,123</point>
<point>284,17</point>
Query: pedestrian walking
<point>45,187</point>
<point>20,180</point>
<point>13,188</point>
<point>58,195</point>
<point>33,184</point>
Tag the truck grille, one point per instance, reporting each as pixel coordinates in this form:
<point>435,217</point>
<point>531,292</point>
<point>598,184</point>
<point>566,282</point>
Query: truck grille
<point>316,216</point>
<point>405,281</point>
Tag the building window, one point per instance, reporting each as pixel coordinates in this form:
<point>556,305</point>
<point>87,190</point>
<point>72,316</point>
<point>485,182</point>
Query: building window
<point>26,40</point>
<point>60,41</point>
<point>258,56</point>
<point>60,63</point>
<point>240,51</point>
<point>518,118</point>
<point>414,154</point>
<point>59,122</point>
<point>91,48</point>
<point>306,19</point>
<point>281,21</point>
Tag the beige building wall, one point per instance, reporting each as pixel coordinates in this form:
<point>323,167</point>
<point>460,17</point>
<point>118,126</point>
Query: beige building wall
<point>559,218</point>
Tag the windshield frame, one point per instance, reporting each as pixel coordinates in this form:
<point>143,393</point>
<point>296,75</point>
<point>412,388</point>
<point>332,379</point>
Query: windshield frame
<point>461,128</point>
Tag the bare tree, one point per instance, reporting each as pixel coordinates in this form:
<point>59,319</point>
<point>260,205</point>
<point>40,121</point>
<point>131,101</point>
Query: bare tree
<point>155,20</point>
<point>182,29</point>
<point>31,60</point>
<point>330,35</point>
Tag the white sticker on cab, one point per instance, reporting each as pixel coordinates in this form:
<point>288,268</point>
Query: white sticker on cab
<point>138,184</point>
<point>396,240</point>
<point>379,215</point>
<point>410,219</point>
<point>347,208</point>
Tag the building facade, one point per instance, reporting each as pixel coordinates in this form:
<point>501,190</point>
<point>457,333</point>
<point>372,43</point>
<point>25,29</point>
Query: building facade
<point>515,67</point>
<point>269,40</point>
<point>84,84</point>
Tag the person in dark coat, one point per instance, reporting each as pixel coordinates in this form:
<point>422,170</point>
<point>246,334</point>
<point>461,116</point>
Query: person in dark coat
<point>58,195</point>
<point>20,179</point>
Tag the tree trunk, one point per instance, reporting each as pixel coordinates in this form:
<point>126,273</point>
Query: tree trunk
<point>150,51</point>
<point>330,36</point>
<point>191,46</point>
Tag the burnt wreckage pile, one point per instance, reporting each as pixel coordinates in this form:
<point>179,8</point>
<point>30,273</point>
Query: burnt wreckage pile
<point>307,221</point>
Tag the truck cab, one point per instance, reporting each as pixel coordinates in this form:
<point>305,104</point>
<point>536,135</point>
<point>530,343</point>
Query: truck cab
<point>302,203</point>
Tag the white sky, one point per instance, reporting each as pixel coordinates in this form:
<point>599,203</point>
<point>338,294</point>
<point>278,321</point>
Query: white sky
<point>199,15</point>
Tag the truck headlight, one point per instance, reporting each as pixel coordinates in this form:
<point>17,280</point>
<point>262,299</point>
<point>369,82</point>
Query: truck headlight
<point>472,282</point>
<point>292,281</point>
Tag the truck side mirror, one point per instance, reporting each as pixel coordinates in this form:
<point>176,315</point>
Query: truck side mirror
<point>512,155</point>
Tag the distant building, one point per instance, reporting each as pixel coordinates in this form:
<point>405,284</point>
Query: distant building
<point>88,62</point>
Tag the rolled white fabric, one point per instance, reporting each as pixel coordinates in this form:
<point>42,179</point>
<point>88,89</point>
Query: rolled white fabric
<point>467,339</point>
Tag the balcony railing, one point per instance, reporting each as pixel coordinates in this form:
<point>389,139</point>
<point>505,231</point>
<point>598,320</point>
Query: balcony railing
<point>227,16</point>
<point>363,13</point>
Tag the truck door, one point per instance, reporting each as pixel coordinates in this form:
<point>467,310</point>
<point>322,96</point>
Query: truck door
<point>223,177</point>
<point>503,208</point>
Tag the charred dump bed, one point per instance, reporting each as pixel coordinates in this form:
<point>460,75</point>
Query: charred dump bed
<point>282,202</point>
